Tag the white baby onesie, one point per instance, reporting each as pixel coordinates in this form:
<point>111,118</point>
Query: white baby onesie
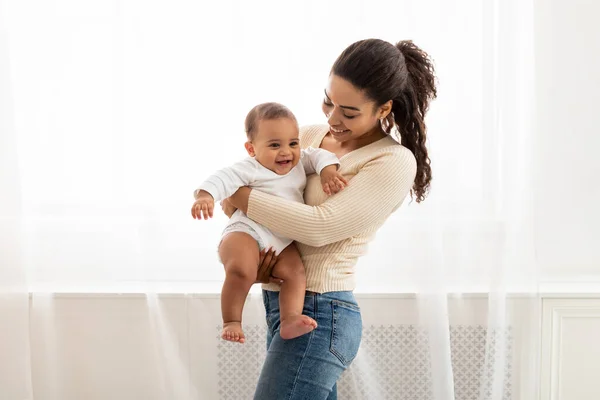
<point>251,173</point>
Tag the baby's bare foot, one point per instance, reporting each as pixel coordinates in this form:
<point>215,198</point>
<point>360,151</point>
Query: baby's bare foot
<point>232,331</point>
<point>295,326</point>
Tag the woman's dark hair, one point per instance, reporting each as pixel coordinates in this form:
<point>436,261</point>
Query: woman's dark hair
<point>265,112</point>
<point>404,74</point>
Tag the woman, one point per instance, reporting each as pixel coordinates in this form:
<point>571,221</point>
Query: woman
<point>373,86</point>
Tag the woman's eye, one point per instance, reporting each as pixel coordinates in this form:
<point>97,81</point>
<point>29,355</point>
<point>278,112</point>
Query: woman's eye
<point>328,104</point>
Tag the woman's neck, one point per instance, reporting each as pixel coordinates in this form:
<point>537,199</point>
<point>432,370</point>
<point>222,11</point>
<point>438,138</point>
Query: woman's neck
<point>364,140</point>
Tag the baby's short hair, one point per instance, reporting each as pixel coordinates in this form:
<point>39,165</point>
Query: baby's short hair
<point>266,111</point>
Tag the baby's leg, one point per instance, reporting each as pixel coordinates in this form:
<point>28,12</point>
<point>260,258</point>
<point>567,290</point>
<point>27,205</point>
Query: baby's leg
<point>289,267</point>
<point>239,254</point>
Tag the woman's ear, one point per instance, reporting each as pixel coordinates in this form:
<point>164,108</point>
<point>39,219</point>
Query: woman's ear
<point>250,149</point>
<point>384,110</point>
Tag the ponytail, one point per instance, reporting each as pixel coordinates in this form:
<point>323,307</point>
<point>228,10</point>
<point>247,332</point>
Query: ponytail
<point>409,109</point>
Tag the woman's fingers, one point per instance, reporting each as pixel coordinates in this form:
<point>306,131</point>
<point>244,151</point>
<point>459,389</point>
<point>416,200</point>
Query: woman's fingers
<point>267,262</point>
<point>275,280</point>
<point>265,266</point>
<point>270,258</point>
<point>227,207</point>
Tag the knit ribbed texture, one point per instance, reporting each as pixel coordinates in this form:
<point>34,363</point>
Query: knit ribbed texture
<point>333,232</point>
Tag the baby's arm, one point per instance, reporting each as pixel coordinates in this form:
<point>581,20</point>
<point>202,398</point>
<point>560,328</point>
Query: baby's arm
<point>314,160</point>
<point>326,164</point>
<point>220,186</point>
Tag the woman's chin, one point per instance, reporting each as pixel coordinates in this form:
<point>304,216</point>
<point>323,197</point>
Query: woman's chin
<point>340,135</point>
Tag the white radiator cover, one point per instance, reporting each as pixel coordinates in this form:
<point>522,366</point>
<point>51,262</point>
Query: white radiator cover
<point>393,363</point>
<point>136,347</point>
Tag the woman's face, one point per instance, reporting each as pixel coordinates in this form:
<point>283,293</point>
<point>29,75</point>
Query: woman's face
<point>350,113</point>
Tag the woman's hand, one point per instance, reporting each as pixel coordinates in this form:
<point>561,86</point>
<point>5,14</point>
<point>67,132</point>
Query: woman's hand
<point>267,262</point>
<point>240,199</point>
<point>227,207</point>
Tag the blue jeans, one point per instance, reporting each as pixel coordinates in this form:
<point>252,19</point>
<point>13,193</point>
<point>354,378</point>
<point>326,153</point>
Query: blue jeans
<point>307,367</point>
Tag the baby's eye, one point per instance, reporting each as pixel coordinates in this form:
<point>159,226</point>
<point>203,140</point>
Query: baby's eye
<point>275,145</point>
<point>294,144</point>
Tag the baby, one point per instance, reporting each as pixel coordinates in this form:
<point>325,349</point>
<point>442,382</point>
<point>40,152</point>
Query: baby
<point>277,166</point>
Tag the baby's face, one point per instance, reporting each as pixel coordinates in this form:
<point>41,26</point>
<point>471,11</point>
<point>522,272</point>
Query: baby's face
<point>276,145</point>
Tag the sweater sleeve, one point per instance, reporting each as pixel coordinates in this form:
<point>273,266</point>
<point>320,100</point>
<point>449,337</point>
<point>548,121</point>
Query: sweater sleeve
<point>376,191</point>
<point>225,182</point>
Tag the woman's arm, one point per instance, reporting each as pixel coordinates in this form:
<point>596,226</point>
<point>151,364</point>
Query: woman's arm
<point>371,196</point>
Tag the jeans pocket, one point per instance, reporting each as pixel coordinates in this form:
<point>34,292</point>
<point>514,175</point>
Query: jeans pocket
<point>346,331</point>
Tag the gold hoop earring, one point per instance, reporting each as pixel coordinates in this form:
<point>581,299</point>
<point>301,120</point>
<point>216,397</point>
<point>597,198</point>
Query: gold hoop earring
<point>385,124</point>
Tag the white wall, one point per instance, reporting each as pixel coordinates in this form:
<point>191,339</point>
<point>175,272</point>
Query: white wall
<point>567,44</point>
<point>570,356</point>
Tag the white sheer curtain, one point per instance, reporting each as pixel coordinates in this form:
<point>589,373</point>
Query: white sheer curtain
<point>112,112</point>
<point>15,368</point>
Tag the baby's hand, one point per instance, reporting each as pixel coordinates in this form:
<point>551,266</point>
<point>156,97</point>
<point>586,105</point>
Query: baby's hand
<point>332,180</point>
<point>203,206</point>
